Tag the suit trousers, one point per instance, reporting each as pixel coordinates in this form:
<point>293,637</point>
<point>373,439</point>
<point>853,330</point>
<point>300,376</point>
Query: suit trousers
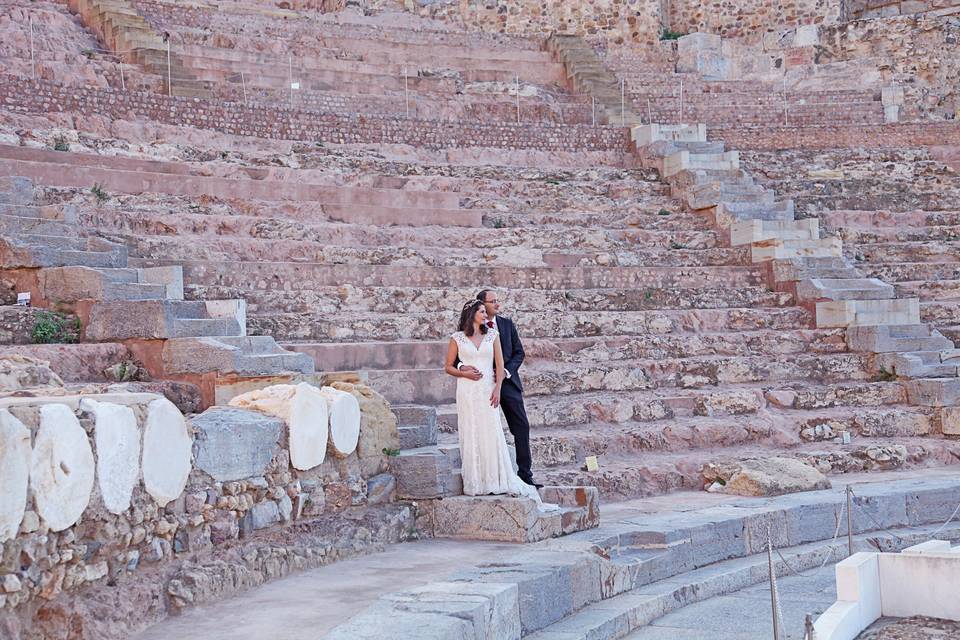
<point>511,401</point>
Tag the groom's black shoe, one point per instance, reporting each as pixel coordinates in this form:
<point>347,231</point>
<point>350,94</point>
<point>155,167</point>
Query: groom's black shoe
<point>533,484</point>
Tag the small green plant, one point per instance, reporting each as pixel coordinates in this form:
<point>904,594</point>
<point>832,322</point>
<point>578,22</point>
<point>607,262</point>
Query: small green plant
<point>663,212</point>
<point>498,223</point>
<point>97,190</point>
<point>648,295</point>
<point>666,34</point>
<point>676,245</point>
<point>885,376</point>
<point>50,327</point>
<point>60,144</point>
<point>387,451</point>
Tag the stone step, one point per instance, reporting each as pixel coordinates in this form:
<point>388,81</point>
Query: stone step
<point>730,400</point>
<point>934,392</point>
<point>513,519</point>
<point>777,249</point>
<point>727,213</point>
<point>310,275</point>
<point>817,289</point>
<point>749,231</point>
<point>705,195</point>
<point>797,269</point>
<point>911,271</point>
<point>940,312</point>
<point>939,251</point>
<point>160,319</point>
<point>891,222</point>
<point>848,313</point>
<point>383,299</point>
<point>322,327</point>
<point>17,224</point>
<point>417,425</point>
<point>648,134</point>
<point>70,284</point>
<point>403,354</point>
<point>922,364</point>
<point>566,446</point>
<point>897,338</point>
<point>15,191</point>
<point>100,255</point>
<point>427,472</point>
<point>941,291</point>
<point>549,378</point>
<point>870,236</point>
<point>247,356</point>
<point>686,161</point>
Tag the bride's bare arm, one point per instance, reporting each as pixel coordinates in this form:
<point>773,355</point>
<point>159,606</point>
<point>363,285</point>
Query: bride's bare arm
<point>500,373</point>
<point>448,365</point>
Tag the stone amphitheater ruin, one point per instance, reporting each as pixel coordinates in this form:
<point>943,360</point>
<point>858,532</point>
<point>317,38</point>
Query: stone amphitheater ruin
<point>728,233</point>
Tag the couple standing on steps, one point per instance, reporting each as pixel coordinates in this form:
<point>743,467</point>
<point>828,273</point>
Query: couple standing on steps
<point>485,355</point>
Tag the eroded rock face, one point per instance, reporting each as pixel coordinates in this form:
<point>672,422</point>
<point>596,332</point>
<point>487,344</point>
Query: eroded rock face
<point>117,438</point>
<point>62,467</point>
<point>764,477</point>
<point>19,372</point>
<point>167,446</point>
<point>14,473</point>
<point>378,427</point>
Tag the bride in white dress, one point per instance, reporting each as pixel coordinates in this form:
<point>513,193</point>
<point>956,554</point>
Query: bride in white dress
<point>487,468</point>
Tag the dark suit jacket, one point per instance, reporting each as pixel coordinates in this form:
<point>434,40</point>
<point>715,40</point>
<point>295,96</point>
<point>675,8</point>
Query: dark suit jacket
<point>512,351</point>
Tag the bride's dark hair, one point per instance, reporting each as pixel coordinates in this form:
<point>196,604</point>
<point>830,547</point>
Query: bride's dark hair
<point>466,318</point>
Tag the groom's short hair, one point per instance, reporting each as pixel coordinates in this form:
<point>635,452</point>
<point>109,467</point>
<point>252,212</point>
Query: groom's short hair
<point>482,296</point>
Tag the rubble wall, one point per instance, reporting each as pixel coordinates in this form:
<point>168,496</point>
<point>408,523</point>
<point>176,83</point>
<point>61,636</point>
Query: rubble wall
<point>749,20</point>
<point>857,9</point>
<point>116,511</point>
<point>918,53</point>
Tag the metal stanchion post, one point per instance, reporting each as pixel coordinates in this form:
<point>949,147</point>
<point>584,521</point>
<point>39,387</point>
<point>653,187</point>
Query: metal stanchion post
<point>123,85</point>
<point>649,112</point>
<point>786,118</point>
<point>849,520</point>
<point>243,86</point>
<point>808,632</point>
<point>773,587</point>
<point>593,105</point>
<point>169,74</point>
<point>290,75</point>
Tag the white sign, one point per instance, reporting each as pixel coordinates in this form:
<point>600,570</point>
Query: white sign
<point>295,85</point>
<point>23,299</point>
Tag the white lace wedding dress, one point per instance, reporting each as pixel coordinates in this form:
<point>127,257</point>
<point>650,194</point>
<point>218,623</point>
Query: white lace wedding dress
<point>487,468</point>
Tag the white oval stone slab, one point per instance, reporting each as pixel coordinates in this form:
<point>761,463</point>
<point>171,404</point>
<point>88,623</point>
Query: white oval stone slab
<point>14,473</point>
<point>344,420</point>
<point>117,440</point>
<point>308,426</point>
<point>62,468</point>
<point>167,448</point>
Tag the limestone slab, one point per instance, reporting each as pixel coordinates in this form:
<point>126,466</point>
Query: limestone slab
<point>62,467</point>
<point>117,438</point>
<point>233,444</point>
<point>343,412</point>
<point>14,473</point>
<point>167,447</point>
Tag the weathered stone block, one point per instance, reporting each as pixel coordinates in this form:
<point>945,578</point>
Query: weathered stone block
<point>234,444</point>
<point>381,488</point>
<point>424,473</point>
<point>264,514</point>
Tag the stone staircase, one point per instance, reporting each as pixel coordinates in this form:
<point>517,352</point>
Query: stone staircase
<point>121,28</point>
<point>429,473</point>
<point>66,269</point>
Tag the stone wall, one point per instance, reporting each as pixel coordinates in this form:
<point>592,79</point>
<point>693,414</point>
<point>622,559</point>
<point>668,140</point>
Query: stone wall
<point>164,489</point>
<point>859,9</point>
<point>749,19</point>
<point>918,53</point>
<point>837,137</point>
<point>615,21</point>
<point>23,96</point>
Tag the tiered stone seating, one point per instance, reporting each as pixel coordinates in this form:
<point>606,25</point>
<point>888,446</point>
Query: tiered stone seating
<point>43,251</point>
<point>653,343</point>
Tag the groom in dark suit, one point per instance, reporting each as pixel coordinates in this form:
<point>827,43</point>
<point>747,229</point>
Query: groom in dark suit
<point>511,393</point>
